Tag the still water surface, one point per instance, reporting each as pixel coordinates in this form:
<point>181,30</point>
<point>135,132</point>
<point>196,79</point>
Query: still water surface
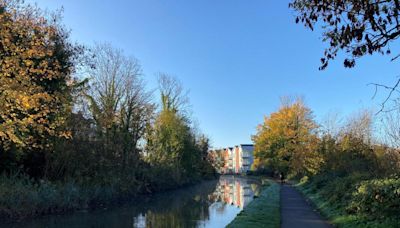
<point>208,204</point>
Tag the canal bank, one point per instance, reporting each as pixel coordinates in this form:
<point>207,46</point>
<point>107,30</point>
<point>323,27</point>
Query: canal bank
<point>264,211</point>
<point>208,204</point>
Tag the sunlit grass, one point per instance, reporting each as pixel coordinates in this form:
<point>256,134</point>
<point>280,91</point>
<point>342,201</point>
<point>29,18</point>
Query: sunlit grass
<point>263,211</point>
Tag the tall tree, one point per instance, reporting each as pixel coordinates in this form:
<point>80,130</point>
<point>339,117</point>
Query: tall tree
<point>351,149</point>
<point>119,103</point>
<point>36,63</point>
<point>172,141</point>
<point>391,127</point>
<point>287,139</point>
<point>173,96</point>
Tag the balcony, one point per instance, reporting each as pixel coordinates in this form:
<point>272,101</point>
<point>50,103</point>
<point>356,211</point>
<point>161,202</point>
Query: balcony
<point>246,155</point>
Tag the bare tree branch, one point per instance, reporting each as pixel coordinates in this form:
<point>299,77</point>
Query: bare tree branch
<point>391,89</point>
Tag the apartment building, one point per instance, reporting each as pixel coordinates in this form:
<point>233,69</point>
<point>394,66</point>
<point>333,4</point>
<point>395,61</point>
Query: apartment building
<point>236,160</point>
<point>242,158</point>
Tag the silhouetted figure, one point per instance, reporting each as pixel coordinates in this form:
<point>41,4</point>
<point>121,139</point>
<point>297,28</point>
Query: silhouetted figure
<point>282,177</point>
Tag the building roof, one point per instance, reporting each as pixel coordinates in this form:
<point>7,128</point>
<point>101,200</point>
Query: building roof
<point>247,147</point>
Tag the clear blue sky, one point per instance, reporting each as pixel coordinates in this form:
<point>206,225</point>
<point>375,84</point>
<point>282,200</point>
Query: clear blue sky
<point>236,57</point>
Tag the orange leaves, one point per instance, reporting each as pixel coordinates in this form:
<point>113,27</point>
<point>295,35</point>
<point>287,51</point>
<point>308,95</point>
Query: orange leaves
<point>284,141</point>
<point>26,102</point>
<point>34,70</point>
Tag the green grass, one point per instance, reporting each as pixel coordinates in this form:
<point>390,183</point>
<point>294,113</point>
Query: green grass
<point>263,211</point>
<point>336,213</point>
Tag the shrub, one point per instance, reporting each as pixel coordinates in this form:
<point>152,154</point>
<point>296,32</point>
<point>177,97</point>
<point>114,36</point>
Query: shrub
<point>21,196</point>
<point>335,190</point>
<point>304,180</point>
<point>339,190</point>
<point>377,198</point>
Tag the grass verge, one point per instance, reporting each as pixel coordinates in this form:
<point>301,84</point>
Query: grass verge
<point>263,211</point>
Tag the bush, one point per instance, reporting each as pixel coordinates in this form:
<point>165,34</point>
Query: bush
<point>339,190</point>
<point>377,198</point>
<point>304,180</point>
<point>21,196</point>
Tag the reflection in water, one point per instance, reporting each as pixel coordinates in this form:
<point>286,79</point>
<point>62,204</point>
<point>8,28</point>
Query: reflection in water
<point>209,204</point>
<point>235,191</point>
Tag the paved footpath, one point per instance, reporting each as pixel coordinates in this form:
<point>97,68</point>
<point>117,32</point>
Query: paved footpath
<point>296,212</point>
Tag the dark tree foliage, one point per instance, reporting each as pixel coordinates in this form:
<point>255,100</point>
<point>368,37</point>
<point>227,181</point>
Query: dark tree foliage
<point>359,27</point>
<point>37,63</point>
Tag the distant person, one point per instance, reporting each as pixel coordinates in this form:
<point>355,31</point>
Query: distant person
<point>282,177</point>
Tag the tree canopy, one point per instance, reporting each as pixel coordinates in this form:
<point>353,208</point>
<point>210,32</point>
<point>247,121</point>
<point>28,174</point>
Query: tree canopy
<point>36,64</point>
<point>286,140</point>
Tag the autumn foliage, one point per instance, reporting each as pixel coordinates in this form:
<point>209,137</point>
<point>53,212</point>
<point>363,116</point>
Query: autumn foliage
<point>341,164</point>
<point>287,140</point>
<point>68,142</point>
<point>35,77</point>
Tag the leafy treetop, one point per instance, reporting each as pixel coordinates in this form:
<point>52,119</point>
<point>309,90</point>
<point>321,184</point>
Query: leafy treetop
<point>36,64</point>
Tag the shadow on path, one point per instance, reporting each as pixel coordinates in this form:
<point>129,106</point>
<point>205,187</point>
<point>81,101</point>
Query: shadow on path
<point>296,212</point>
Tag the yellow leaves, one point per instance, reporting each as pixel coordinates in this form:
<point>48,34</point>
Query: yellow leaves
<point>7,134</point>
<point>283,140</point>
<point>25,102</point>
<point>66,134</point>
<point>30,106</point>
<point>30,53</point>
<point>28,62</point>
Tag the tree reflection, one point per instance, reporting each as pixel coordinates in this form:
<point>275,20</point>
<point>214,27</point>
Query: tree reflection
<point>208,204</point>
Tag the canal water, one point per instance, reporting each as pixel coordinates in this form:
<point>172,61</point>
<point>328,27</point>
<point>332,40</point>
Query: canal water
<point>208,204</point>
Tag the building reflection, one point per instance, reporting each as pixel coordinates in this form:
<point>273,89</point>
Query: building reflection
<point>207,204</point>
<point>233,190</point>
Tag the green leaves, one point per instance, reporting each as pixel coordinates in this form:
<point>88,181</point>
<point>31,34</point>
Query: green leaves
<point>172,142</point>
<point>377,198</point>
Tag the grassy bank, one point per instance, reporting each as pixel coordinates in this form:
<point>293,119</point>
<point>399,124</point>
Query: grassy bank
<point>262,211</point>
<point>356,200</point>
